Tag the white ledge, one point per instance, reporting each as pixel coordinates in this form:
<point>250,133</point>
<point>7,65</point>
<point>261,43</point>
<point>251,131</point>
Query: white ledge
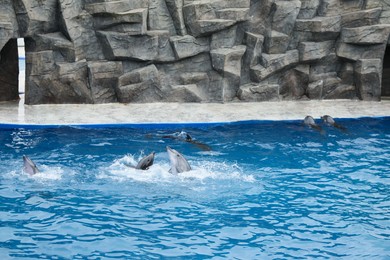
<point>115,113</point>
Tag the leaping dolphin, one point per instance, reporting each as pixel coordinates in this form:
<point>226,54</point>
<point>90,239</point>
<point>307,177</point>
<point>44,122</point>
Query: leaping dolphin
<point>309,121</point>
<point>178,162</point>
<point>29,166</point>
<point>145,162</point>
<point>330,121</point>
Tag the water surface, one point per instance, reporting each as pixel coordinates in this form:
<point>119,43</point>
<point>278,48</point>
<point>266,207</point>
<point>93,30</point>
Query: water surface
<point>266,190</point>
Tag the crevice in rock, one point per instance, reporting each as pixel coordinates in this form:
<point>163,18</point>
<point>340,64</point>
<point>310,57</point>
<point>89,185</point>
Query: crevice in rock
<point>9,71</point>
<point>386,74</point>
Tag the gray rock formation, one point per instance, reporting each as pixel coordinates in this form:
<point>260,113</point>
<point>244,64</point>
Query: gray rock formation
<point>99,51</point>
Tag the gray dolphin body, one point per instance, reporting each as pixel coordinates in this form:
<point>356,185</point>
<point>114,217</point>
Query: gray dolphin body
<point>184,136</point>
<point>29,166</point>
<point>330,121</point>
<point>309,121</point>
<point>145,162</point>
<point>178,162</point>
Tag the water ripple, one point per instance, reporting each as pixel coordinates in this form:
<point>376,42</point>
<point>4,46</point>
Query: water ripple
<point>266,191</point>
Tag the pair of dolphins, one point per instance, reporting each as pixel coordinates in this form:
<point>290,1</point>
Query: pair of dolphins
<point>309,121</point>
<point>178,163</point>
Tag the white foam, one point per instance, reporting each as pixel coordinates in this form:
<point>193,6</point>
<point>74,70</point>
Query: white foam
<point>159,172</point>
<point>48,173</point>
<point>101,144</point>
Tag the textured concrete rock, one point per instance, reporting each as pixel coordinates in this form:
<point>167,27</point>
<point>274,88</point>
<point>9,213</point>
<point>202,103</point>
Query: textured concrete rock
<point>329,8</point>
<point>314,89</point>
<point>151,47</point>
<point>342,91</point>
<point>366,35</point>
<point>6,33</point>
<point>63,49</point>
<point>188,46</point>
<point>205,27</point>
<point>141,85</point>
<point>361,18</point>
<point>329,64</point>
<point>253,92</point>
<point>175,8</point>
<point>276,42</point>
<point>185,93</point>
<point>103,77</point>
<point>385,15</point>
<point>228,60</point>
<point>254,47</point>
<point>132,22</point>
<point>353,5</point>
<point>97,51</point>
<point>40,62</point>
<point>192,70</point>
<point>293,84</point>
<point>373,3</point>
<point>331,83</point>
<point>72,83</point>
<point>284,16</point>
<point>118,6</point>
<point>206,17</point>
<point>368,78</point>
<point>8,20</point>
<point>346,74</point>
<point>36,16</point>
<point>159,17</point>
<point>355,52</point>
<point>311,51</point>
<point>78,26</point>
<point>272,63</point>
<point>224,39</point>
<point>236,14</point>
<point>308,9</point>
<point>65,83</point>
<point>319,24</point>
<point>191,78</point>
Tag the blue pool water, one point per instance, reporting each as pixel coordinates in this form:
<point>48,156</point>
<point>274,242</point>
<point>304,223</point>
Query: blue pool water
<point>266,190</point>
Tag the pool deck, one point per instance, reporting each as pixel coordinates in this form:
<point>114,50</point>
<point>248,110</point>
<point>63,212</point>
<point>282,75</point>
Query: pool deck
<point>114,113</point>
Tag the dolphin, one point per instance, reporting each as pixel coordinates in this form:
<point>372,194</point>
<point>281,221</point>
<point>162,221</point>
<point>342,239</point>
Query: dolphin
<point>330,121</point>
<point>29,166</point>
<point>178,162</point>
<point>309,121</point>
<point>145,162</point>
<point>184,136</point>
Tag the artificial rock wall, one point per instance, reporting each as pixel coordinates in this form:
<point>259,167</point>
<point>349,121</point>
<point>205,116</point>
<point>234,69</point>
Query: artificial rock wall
<point>99,51</point>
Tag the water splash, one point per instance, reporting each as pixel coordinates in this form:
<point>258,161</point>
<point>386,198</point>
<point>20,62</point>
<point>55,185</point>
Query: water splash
<point>122,170</point>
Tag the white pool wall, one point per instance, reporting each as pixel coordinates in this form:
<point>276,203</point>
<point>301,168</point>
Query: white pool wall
<point>115,113</point>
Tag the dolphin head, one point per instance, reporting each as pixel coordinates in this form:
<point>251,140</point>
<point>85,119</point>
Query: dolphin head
<point>146,162</point>
<point>309,121</point>
<point>185,136</point>
<point>328,120</point>
<point>178,162</point>
<point>29,166</point>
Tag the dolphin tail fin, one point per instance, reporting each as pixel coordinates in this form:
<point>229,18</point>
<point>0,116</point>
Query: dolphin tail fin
<point>340,127</point>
